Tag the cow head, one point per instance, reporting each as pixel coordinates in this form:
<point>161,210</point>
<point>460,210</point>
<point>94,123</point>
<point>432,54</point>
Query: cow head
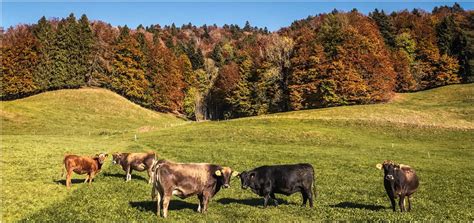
<point>101,157</point>
<point>116,157</point>
<point>389,168</point>
<point>247,179</point>
<point>224,174</point>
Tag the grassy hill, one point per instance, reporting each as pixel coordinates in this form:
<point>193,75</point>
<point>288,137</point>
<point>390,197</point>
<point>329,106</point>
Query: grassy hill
<point>433,131</point>
<point>82,111</point>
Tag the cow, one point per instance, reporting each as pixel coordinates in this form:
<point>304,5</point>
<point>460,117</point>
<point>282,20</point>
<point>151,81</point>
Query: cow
<point>399,181</point>
<point>188,179</point>
<point>266,181</point>
<point>83,165</point>
<point>134,161</point>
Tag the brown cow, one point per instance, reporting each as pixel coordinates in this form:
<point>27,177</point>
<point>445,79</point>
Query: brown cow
<point>83,165</point>
<point>134,161</point>
<point>399,181</point>
<point>188,179</point>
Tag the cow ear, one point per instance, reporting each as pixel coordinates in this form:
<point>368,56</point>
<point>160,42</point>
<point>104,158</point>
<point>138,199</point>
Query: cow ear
<point>378,166</point>
<point>235,173</point>
<point>218,173</point>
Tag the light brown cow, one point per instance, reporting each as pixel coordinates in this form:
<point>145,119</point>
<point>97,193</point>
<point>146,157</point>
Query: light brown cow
<point>188,179</point>
<point>134,161</point>
<point>83,165</point>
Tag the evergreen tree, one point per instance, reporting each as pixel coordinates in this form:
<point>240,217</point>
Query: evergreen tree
<point>45,36</point>
<point>385,26</point>
<point>85,44</point>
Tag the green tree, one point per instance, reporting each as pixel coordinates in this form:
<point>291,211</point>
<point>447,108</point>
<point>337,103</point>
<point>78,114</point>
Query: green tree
<point>45,36</point>
<point>385,26</point>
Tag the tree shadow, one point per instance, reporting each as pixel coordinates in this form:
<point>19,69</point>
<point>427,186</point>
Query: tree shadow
<point>358,206</point>
<point>151,205</point>
<point>123,176</point>
<point>73,181</point>
<point>250,201</point>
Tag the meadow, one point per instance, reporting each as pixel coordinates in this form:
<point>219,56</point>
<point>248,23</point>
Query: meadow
<point>433,131</point>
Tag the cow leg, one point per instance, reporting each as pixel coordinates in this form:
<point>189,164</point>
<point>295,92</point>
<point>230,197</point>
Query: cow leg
<point>401,203</point>
<point>87,178</point>
<point>305,198</point>
<point>265,200</point>
<point>409,203</point>
<point>91,177</point>
<point>205,202</point>
<point>129,174</point>
<point>166,203</point>
<point>272,195</point>
<point>392,201</point>
<point>310,197</point>
<point>158,198</point>
<point>307,195</point>
<point>200,197</point>
<point>68,179</point>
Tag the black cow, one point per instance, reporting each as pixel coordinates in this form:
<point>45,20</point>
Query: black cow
<point>267,181</point>
<point>399,181</point>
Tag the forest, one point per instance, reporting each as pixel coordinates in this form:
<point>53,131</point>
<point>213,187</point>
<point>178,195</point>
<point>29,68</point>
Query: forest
<point>213,73</point>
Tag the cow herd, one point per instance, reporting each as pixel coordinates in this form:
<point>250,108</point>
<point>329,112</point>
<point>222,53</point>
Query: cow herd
<point>204,180</point>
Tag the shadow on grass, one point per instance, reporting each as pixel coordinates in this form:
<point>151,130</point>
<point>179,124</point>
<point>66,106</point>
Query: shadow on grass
<point>358,206</point>
<point>73,181</point>
<point>123,176</point>
<point>151,205</point>
<point>250,201</point>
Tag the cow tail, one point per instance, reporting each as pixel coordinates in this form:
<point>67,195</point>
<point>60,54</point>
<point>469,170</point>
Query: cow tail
<point>155,182</point>
<point>63,171</point>
<point>313,187</point>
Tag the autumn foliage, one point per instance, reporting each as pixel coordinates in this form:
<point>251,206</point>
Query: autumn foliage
<point>212,72</point>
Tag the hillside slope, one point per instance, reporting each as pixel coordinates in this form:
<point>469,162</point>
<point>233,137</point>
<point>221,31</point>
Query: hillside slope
<point>431,131</point>
<point>83,111</point>
<point>446,107</point>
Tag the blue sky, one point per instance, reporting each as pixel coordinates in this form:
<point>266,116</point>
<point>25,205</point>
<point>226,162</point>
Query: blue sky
<point>273,15</point>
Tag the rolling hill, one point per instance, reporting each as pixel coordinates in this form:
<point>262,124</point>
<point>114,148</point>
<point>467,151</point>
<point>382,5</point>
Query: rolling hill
<point>433,131</point>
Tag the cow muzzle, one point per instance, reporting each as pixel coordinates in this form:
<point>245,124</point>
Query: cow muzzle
<point>226,185</point>
<point>389,177</point>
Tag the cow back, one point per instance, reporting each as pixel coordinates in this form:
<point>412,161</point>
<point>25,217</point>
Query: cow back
<point>285,179</point>
<point>80,163</point>
<point>191,178</point>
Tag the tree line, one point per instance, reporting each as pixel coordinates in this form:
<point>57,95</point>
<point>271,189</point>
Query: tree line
<point>211,72</point>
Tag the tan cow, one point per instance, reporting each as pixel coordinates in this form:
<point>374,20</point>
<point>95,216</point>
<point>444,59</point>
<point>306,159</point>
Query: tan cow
<point>83,165</point>
<point>134,161</point>
<point>188,179</point>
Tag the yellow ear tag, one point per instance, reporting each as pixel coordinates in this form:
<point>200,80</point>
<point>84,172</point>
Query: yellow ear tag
<point>379,166</point>
<point>235,173</point>
<point>218,173</point>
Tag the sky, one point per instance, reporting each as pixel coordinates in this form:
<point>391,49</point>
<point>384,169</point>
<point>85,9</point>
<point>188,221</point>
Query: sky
<point>272,15</point>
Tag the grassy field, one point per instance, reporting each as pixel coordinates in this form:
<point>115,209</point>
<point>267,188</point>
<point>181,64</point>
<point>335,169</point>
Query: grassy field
<point>433,131</point>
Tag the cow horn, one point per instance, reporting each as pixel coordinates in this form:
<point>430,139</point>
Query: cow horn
<point>379,166</point>
<point>235,173</point>
<point>218,173</point>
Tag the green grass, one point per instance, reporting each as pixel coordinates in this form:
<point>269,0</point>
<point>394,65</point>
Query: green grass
<point>433,131</point>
